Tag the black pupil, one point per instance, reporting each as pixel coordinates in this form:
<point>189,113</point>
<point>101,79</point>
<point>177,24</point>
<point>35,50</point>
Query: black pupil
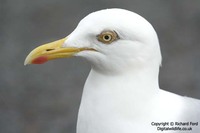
<point>106,37</point>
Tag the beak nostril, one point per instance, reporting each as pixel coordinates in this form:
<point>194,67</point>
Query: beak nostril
<point>49,49</point>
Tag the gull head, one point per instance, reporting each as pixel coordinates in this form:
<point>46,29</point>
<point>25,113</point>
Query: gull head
<point>111,40</point>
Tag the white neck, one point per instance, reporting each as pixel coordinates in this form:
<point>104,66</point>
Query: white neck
<point>132,86</point>
<point>109,98</point>
<point>138,80</point>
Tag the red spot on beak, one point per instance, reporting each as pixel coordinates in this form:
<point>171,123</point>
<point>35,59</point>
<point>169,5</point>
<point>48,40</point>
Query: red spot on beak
<point>40,60</point>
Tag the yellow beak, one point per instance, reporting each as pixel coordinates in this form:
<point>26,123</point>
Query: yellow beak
<point>50,51</point>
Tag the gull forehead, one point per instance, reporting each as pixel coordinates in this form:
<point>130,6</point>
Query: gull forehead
<point>127,23</point>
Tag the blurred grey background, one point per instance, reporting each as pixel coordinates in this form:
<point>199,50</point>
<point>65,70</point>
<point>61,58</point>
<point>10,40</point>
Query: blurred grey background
<point>45,98</point>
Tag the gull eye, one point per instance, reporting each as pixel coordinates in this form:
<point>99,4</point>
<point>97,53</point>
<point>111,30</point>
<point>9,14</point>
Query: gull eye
<point>107,37</point>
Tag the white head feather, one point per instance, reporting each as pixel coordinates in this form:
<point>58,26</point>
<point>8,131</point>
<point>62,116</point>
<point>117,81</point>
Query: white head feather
<point>137,45</point>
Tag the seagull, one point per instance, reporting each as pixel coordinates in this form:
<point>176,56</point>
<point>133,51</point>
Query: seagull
<point>121,93</point>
